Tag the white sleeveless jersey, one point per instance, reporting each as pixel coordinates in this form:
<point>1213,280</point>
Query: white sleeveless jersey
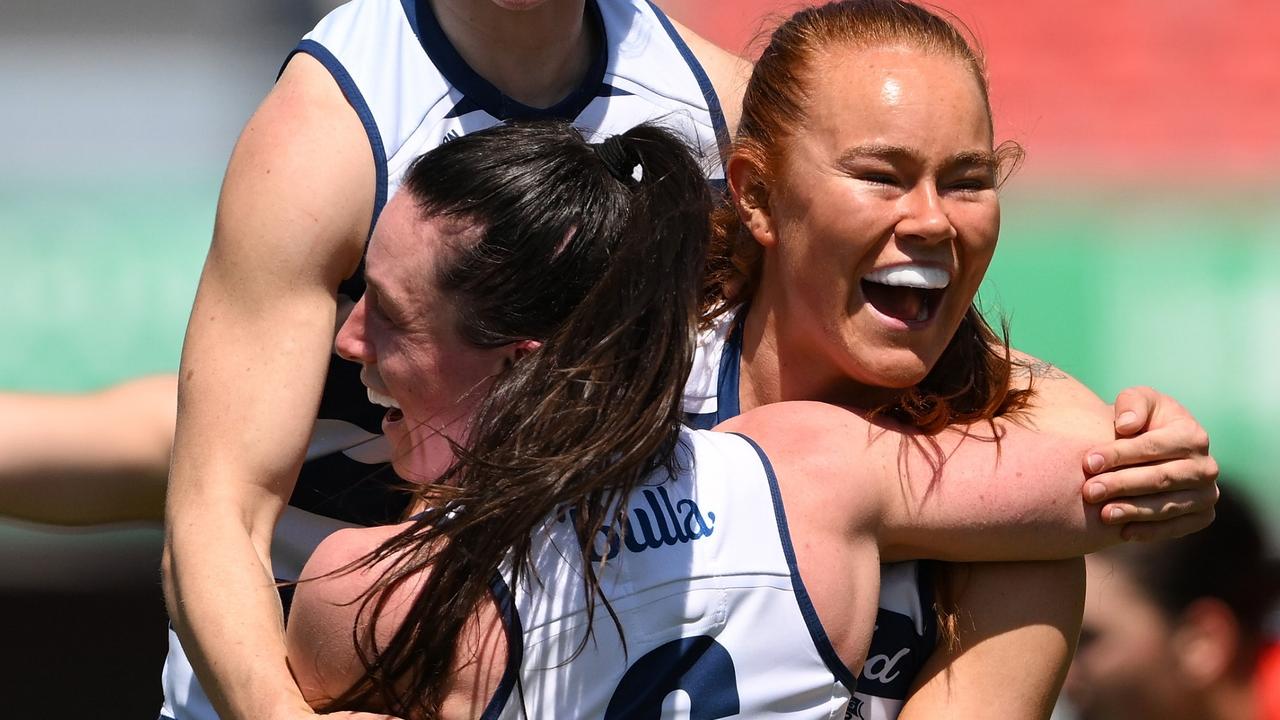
<point>715,619</point>
<point>906,628</point>
<point>412,92</point>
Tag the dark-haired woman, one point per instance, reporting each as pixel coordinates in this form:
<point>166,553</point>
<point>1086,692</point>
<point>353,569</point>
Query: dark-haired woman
<point>529,323</point>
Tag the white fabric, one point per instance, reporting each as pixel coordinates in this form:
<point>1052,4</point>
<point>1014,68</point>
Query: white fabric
<point>706,560</point>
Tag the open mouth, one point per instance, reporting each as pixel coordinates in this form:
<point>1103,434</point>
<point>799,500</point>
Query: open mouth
<point>908,293</point>
<point>386,401</point>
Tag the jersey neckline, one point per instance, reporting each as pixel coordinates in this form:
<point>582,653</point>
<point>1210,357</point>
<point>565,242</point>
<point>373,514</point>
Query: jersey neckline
<point>480,94</point>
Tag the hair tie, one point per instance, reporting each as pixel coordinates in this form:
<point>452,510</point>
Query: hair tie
<point>620,159</point>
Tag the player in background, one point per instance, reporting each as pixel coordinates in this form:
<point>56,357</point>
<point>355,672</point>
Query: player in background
<point>1182,629</point>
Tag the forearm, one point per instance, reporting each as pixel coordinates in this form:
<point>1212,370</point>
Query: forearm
<point>81,459</point>
<point>225,608</point>
<point>1016,629</point>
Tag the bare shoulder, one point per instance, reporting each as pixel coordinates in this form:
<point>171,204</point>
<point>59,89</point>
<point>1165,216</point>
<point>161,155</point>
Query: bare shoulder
<point>343,547</point>
<point>813,447</point>
<point>328,607</point>
<point>727,71</point>
<point>300,186</point>
<point>1055,389</point>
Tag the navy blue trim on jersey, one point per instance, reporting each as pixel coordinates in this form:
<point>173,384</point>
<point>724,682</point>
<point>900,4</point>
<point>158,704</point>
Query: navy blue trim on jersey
<point>515,647</point>
<point>807,611</point>
<point>727,405</point>
<point>481,92</point>
<point>708,90</point>
<point>353,95</point>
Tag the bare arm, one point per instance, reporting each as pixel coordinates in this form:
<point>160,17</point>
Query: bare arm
<point>1017,625</point>
<point>1018,500</point>
<point>292,218</point>
<point>87,459</point>
<point>327,607</point>
<point>1155,476</point>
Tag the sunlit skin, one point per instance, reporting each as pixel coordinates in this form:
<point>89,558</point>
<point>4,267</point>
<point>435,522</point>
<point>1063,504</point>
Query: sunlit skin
<point>404,333</point>
<point>894,165</point>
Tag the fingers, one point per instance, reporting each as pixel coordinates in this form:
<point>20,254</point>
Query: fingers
<point>1167,530</point>
<point>1183,438</point>
<point>1197,473</point>
<point>1133,409</point>
<point>1160,507</point>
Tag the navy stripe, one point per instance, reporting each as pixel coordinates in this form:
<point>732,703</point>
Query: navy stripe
<point>515,647</point>
<point>811,619</point>
<point>411,14</point>
<point>353,95</point>
<point>727,402</point>
<point>480,91</point>
<point>704,82</point>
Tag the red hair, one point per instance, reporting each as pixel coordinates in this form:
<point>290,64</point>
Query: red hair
<point>971,380</point>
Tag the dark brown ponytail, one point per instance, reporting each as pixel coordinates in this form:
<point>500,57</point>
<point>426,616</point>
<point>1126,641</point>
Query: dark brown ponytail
<point>596,252</point>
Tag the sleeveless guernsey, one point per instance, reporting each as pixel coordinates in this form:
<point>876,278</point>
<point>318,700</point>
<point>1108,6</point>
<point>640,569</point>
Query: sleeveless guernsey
<point>906,627</point>
<point>715,619</point>
<point>412,91</point>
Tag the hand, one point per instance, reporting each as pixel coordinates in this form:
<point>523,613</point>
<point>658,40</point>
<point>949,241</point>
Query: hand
<point>1157,477</point>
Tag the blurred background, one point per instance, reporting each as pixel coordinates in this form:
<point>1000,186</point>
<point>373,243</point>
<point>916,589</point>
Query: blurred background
<point>1141,240</point>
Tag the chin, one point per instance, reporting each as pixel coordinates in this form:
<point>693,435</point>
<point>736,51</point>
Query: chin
<point>899,369</point>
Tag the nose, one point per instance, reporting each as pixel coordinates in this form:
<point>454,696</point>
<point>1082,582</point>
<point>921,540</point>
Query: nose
<point>352,342</point>
<point>924,217</point>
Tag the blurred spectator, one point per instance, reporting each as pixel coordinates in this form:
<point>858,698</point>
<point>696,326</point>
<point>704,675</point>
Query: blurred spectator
<point>1178,630</point>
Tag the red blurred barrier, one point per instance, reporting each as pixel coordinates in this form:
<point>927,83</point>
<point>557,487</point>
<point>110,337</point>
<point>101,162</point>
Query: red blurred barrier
<point>1131,88</point>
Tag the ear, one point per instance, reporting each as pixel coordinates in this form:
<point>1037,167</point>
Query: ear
<point>1206,641</point>
<point>516,351</point>
<point>750,197</point>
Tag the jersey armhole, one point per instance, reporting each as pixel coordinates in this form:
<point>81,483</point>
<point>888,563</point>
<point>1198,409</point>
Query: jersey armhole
<point>811,620</point>
<point>515,647</point>
<point>357,101</point>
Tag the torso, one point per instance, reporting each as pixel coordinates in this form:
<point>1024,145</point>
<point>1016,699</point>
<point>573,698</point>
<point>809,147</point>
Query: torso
<point>412,92</point>
<point>906,628</point>
<point>707,589</point>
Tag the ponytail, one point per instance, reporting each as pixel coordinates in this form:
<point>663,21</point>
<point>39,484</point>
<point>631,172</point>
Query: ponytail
<point>596,252</point>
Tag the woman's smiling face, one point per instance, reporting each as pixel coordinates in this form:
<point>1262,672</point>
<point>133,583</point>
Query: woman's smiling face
<point>404,333</point>
<point>882,215</point>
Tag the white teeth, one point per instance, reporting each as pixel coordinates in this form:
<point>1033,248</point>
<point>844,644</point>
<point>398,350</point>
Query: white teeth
<point>913,276</point>
<point>378,398</point>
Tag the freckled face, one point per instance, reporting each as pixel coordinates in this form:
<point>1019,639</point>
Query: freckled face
<point>404,333</point>
<point>883,215</point>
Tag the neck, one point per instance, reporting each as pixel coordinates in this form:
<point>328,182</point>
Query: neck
<point>535,57</point>
<point>778,366</point>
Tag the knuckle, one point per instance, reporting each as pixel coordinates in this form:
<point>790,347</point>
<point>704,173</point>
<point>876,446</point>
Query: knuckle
<point>1211,470</point>
<point>1200,440</point>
